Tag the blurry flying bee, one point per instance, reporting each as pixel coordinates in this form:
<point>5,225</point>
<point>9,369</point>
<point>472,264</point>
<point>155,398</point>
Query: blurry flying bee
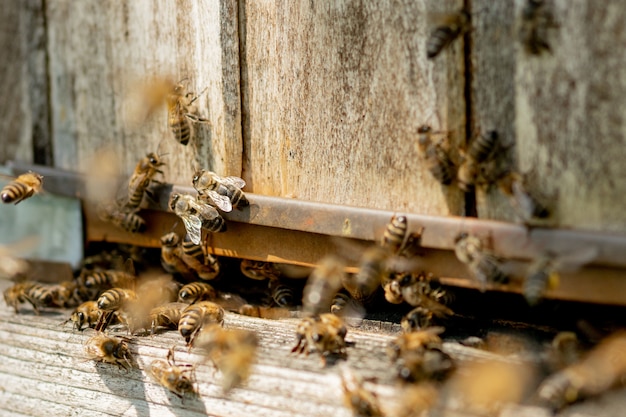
<point>525,205</point>
<point>533,29</point>
<point>483,265</point>
<point>451,27</point>
<point>167,315</point>
<point>564,350</point>
<point>179,379</point>
<point>38,295</point>
<point>419,355</point>
<point>141,179</point>
<point>347,307</point>
<point>172,257</point>
<point>22,187</point>
<point>197,291</point>
<point>435,155</point>
<point>323,283</point>
<point>543,273</point>
<point>232,351</point>
<point>478,160</point>
<point>11,266</point>
<point>224,192</point>
<point>103,348</point>
<point>122,217</point>
<point>197,315</point>
<point>182,114</point>
<point>196,216</point>
<point>324,334</point>
<point>361,402</point>
<point>87,313</point>
<point>259,270</point>
<point>372,268</point>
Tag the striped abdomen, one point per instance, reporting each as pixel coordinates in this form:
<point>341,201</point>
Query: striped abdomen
<point>197,315</point>
<point>136,189</point>
<point>441,166</point>
<point>131,222</point>
<point>216,224</point>
<point>167,315</point>
<point>282,295</point>
<point>192,250</point>
<point>482,147</point>
<point>196,291</point>
<point>180,126</point>
<point>395,233</point>
<point>16,192</point>
<point>237,197</point>
<point>115,298</point>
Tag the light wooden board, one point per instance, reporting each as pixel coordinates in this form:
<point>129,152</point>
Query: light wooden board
<point>570,131</point>
<point>24,124</point>
<point>44,371</point>
<point>100,53</point>
<point>333,94</point>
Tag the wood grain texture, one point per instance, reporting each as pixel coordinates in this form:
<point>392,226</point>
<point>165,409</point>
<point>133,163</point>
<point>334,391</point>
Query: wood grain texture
<point>493,61</point>
<point>333,95</point>
<point>44,372</point>
<point>101,53</point>
<point>570,124</point>
<point>24,124</point>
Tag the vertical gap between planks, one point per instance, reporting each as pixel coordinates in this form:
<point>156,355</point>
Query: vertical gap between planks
<point>42,145</point>
<point>243,90</point>
<point>470,197</point>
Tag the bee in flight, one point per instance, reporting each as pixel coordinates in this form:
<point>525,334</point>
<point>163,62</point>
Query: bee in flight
<point>224,192</point>
<point>22,187</point>
<point>533,30</point>
<point>483,265</point>
<point>450,27</point>
<point>196,215</point>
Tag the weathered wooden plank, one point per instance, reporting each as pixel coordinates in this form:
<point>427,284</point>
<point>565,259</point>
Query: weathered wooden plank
<point>333,95</point>
<point>570,125</point>
<point>24,124</point>
<point>101,53</point>
<point>493,60</point>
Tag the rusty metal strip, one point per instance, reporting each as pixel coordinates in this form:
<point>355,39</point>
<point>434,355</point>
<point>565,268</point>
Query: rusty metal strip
<point>300,232</point>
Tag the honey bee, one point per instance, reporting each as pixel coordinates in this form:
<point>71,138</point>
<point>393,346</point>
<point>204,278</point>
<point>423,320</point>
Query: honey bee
<point>259,270</point>
<point>196,215</point>
<point>167,315</point>
<point>485,387</point>
<point>543,273</point>
<point>324,334</point>
<point>197,291</point>
<point>224,192</point>
<point>483,265</point>
<point>115,299</point>
<point>435,156</point>
<point>451,27</point>
<point>172,257</point>
<point>533,30</point>
<point>103,348</point>
<point>232,351</point>
<point>476,167</point>
<point>362,286</point>
<point>112,278</point>
<point>428,300</point>
<point>68,294</point>
<point>11,266</point>
<point>205,266</point>
<point>179,379</point>
<point>38,295</point>
<point>22,187</point>
<point>282,295</point>
<point>361,402</point>
<point>141,179</point>
<point>197,315</point>
<point>323,283</point>
<point>419,355</point>
<point>395,233</point>
<point>523,203</point>
<point>87,313</point>
<point>122,217</point>
<point>181,113</point>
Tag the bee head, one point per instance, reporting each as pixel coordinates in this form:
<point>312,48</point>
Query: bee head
<point>173,200</point>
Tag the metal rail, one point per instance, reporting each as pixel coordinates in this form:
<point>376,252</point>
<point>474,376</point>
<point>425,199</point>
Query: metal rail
<point>301,232</point>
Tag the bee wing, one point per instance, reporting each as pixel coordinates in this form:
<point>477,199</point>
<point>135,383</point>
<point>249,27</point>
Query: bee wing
<point>221,201</point>
<point>574,260</point>
<point>193,225</point>
<point>523,202</point>
<point>234,181</point>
